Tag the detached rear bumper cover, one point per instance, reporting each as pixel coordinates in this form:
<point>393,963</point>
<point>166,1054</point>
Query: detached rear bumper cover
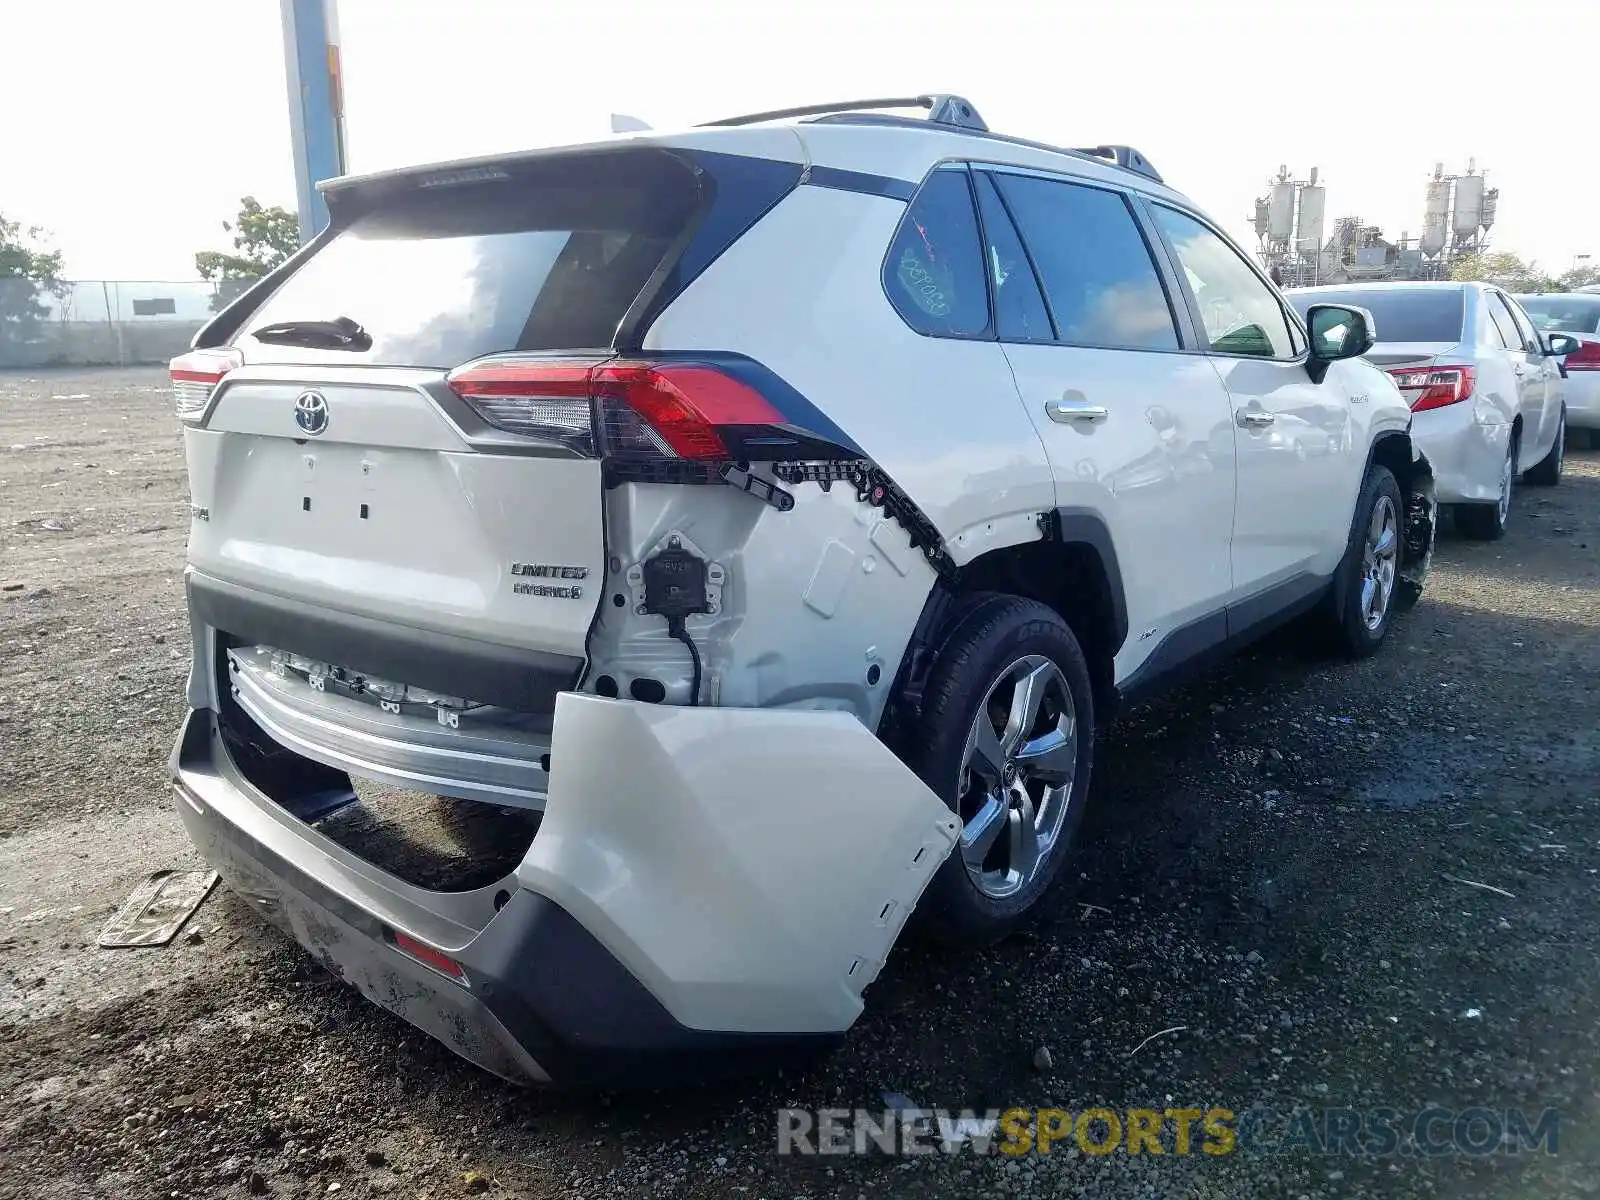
<point>710,887</point>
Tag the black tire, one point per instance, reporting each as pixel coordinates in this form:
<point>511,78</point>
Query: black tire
<point>1346,618</point>
<point>1547,472</point>
<point>1000,638</point>
<point>1487,522</point>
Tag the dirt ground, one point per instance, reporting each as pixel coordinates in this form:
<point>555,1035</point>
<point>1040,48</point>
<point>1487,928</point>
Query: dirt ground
<point>1281,859</point>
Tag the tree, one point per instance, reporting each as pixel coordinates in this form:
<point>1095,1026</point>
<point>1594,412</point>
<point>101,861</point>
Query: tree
<point>1576,278</point>
<point>263,239</point>
<point>28,271</point>
<point>1503,269</point>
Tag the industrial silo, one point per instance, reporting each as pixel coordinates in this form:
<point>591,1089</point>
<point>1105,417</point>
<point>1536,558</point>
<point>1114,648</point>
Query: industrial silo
<point>1280,212</point>
<point>1469,206</point>
<point>1436,217</point>
<point>1308,229</point>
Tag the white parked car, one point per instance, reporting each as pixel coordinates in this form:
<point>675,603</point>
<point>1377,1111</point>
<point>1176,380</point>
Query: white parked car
<point>1578,315</point>
<point>778,509</point>
<point>1486,387</point>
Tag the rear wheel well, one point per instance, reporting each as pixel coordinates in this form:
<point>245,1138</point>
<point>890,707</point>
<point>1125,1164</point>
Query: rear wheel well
<point>1395,452</point>
<point>1069,577</point>
<point>1415,477</point>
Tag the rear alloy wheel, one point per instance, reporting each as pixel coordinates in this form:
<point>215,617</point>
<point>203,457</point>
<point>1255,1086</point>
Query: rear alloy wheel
<point>1487,522</point>
<point>1006,738</point>
<point>1547,473</point>
<point>1016,776</point>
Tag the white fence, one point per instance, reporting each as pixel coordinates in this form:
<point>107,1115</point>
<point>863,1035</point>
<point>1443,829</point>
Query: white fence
<point>103,322</point>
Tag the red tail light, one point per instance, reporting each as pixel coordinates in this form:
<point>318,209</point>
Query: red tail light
<point>1435,387</point>
<point>1585,358</point>
<point>195,376</point>
<point>672,410</point>
<point>682,404</point>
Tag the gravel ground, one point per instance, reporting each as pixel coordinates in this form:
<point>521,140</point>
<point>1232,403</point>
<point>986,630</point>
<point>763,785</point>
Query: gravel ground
<point>1274,860</point>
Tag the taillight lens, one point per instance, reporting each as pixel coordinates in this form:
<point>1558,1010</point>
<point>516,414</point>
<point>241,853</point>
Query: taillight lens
<point>1585,358</point>
<point>534,398</point>
<point>681,409</point>
<point>428,956</point>
<point>1435,387</point>
<point>625,409</point>
<point>195,376</point>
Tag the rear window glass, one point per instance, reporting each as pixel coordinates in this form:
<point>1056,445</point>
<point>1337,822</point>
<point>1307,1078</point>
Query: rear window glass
<point>1563,314</point>
<point>549,257</point>
<point>1400,314</point>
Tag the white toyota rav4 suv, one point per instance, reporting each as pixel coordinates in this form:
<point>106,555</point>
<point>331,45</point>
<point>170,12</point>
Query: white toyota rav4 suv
<point>770,515</point>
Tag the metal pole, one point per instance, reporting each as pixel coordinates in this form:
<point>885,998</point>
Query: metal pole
<point>112,321</point>
<point>316,106</point>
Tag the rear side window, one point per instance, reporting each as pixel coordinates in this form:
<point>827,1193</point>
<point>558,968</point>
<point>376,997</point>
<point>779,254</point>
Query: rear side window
<point>1505,325</point>
<point>934,272</point>
<point>542,256</point>
<point>1098,276</point>
<point>1019,311</point>
<point>1525,331</point>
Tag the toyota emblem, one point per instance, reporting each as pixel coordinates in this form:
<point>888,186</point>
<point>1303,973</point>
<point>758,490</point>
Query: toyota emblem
<point>311,412</point>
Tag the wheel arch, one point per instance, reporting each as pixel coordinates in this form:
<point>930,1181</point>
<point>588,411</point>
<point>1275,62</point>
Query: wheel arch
<point>1072,568</point>
<point>1396,451</point>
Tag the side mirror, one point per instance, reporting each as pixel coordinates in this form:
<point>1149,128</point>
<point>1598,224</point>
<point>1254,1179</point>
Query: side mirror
<point>1559,345</point>
<point>1337,331</point>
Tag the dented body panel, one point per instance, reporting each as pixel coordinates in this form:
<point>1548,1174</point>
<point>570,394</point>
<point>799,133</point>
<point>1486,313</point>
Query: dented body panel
<point>689,855</point>
<point>654,920</point>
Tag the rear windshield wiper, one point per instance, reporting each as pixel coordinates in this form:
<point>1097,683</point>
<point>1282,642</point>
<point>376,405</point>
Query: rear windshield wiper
<point>341,333</point>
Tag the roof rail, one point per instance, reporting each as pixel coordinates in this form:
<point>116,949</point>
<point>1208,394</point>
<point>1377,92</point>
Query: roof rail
<point>943,109</point>
<point>1125,157</point>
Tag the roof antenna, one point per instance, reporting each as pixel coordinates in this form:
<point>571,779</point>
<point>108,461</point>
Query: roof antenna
<point>622,123</point>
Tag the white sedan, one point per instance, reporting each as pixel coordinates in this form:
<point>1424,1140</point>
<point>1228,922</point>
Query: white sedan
<point>1485,387</point>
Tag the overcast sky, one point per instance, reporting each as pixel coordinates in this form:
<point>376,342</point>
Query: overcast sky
<point>132,129</point>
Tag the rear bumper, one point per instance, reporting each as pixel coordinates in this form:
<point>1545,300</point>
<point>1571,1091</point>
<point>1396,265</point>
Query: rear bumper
<point>1466,454</point>
<point>1581,391</point>
<point>709,892</point>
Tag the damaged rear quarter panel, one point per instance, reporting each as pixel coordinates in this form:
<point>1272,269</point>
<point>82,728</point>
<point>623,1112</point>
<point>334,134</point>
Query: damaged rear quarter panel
<point>820,601</point>
<point>816,608</point>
